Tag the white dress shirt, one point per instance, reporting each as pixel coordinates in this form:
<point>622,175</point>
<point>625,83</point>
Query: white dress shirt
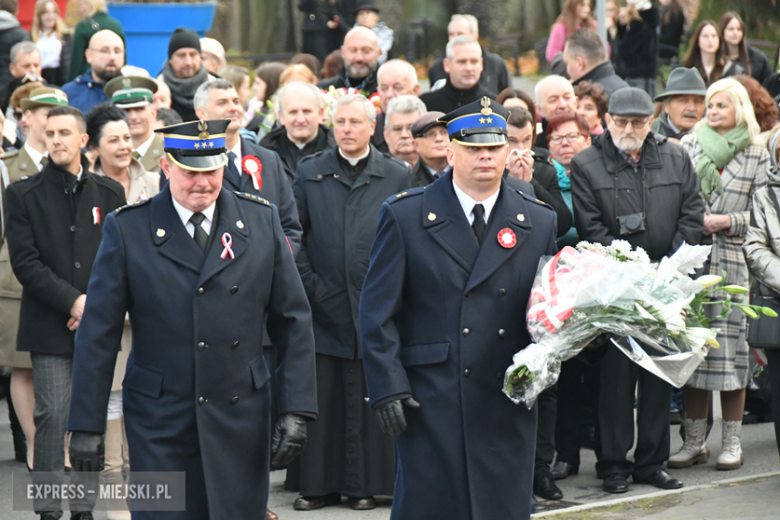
<point>467,203</point>
<point>237,161</point>
<point>145,146</point>
<point>35,155</point>
<point>50,48</point>
<point>185,215</point>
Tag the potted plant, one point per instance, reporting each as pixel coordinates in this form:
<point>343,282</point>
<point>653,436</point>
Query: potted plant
<point>148,25</point>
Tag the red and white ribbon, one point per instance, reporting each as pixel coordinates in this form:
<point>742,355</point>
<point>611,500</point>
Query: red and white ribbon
<point>227,241</point>
<point>254,168</point>
<point>553,302</point>
<point>96,215</point>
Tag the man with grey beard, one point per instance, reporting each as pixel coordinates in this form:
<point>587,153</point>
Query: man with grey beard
<point>360,52</point>
<point>640,187</point>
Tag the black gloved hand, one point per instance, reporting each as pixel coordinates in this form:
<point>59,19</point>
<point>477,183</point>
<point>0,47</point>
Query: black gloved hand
<point>391,415</point>
<point>87,451</point>
<point>289,439</point>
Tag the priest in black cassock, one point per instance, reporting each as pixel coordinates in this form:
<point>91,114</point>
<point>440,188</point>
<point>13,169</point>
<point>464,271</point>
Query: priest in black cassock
<point>339,193</point>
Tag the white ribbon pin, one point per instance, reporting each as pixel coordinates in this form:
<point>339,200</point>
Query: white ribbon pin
<point>227,241</point>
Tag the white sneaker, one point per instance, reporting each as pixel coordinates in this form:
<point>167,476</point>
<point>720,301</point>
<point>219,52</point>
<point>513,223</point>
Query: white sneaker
<point>694,450</point>
<point>731,458</point>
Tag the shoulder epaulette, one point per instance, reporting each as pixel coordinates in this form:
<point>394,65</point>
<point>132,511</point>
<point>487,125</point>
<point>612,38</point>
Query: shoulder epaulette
<point>23,178</point>
<point>533,199</point>
<point>9,154</point>
<point>133,205</point>
<point>253,198</point>
<point>405,194</point>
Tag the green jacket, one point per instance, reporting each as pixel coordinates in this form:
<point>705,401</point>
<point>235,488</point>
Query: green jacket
<point>84,31</point>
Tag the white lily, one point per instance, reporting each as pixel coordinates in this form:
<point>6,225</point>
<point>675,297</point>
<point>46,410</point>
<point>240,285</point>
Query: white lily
<point>708,280</point>
<point>671,315</point>
<point>643,312</point>
<point>698,336</point>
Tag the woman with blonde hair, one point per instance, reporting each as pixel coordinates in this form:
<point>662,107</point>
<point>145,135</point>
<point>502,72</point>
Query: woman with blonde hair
<point>54,41</point>
<point>297,72</point>
<point>726,150</point>
<point>94,17</point>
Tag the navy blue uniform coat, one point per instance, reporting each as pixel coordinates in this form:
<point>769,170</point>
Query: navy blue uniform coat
<point>441,318</point>
<point>196,397</point>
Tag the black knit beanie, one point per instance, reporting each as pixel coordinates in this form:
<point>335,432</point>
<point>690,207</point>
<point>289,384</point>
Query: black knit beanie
<point>183,38</point>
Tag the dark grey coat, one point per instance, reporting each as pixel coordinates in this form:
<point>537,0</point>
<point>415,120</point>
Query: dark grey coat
<point>675,206</point>
<point>339,224</point>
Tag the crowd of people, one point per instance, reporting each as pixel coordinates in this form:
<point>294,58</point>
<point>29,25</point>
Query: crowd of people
<point>140,336</point>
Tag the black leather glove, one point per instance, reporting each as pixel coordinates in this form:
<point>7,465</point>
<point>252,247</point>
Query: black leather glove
<point>87,451</point>
<point>289,439</point>
<point>391,415</point>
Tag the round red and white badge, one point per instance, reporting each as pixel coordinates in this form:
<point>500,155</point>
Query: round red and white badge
<point>507,238</point>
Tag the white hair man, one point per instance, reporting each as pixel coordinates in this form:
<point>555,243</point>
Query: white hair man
<point>360,52</point>
<point>495,76</point>
<point>401,113</point>
<point>464,66</point>
<point>554,96</point>
<point>339,194</point>
<point>299,109</point>
<point>394,78</point>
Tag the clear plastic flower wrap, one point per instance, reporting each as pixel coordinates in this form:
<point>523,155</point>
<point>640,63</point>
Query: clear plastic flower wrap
<point>654,313</point>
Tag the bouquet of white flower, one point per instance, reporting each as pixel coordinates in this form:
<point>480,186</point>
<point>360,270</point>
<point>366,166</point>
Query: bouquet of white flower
<point>654,313</point>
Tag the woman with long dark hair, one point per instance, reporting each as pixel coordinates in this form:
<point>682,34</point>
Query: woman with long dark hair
<point>672,28</point>
<point>737,48</point>
<point>708,56</point>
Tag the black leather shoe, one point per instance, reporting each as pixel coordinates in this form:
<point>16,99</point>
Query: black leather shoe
<point>312,503</point>
<point>615,483</point>
<point>662,480</point>
<point>83,515</point>
<point>362,504</point>
<point>561,470</point>
<point>544,487</point>
<point>49,516</point>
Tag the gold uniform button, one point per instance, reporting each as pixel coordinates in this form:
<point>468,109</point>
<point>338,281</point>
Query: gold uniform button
<point>312,17</point>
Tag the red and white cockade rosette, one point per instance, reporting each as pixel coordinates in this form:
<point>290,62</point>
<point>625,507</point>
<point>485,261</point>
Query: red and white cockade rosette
<point>582,293</point>
<point>252,166</point>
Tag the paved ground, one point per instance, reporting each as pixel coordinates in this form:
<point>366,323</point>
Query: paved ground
<point>752,492</point>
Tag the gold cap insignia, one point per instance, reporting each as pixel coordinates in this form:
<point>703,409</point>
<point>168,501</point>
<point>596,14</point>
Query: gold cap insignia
<point>160,232</point>
<point>203,127</point>
<point>431,216</point>
<point>521,217</point>
<point>486,110</point>
<point>240,224</point>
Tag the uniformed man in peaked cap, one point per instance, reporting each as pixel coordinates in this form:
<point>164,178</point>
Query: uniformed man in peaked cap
<point>199,269</point>
<point>135,95</point>
<point>441,315</point>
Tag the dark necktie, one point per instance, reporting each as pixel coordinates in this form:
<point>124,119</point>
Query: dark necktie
<point>479,222</point>
<point>231,167</point>
<point>136,155</point>
<point>44,162</point>
<point>200,235</point>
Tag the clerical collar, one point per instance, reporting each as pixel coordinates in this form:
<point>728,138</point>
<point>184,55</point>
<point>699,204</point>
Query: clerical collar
<point>304,145</point>
<point>353,162</point>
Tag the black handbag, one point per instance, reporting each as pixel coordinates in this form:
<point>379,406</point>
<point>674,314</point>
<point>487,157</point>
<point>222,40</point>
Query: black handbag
<point>765,331</point>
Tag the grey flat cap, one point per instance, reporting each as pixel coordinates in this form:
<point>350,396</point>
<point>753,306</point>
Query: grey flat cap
<point>683,82</point>
<point>630,101</point>
<point>426,122</point>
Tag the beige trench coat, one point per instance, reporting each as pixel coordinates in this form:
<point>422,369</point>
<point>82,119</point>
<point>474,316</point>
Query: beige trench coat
<point>143,185</point>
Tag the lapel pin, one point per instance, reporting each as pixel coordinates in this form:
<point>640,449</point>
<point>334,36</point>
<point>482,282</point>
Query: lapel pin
<point>431,216</point>
<point>240,224</point>
<point>227,241</point>
<point>96,215</point>
<point>521,217</point>
<point>507,238</point>
<point>160,232</point>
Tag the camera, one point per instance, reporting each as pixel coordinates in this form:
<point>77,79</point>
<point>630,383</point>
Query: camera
<point>630,224</point>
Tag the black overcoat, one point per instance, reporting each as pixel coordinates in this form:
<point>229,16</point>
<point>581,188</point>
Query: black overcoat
<point>52,245</point>
<point>441,318</point>
<point>195,396</point>
<point>339,225</point>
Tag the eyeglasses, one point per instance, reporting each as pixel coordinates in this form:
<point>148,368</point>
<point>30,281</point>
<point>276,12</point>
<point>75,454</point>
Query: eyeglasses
<point>105,50</point>
<point>622,122</point>
<point>433,133</point>
<point>558,139</point>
